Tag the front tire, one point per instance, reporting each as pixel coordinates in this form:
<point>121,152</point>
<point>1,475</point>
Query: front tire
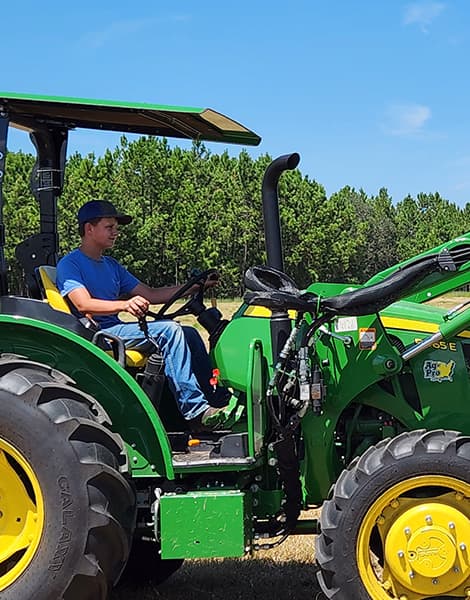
<point>67,512</point>
<point>397,524</point>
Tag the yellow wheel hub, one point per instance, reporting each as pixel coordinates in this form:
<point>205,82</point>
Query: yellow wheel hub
<point>21,514</point>
<point>424,529</point>
<point>425,548</point>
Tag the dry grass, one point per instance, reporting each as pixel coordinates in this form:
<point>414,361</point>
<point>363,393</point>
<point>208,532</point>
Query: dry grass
<point>226,307</point>
<point>265,576</point>
<point>285,573</point>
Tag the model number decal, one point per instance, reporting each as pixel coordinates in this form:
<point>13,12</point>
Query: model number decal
<point>438,371</point>
<point>452,346</point>
<point>345,324</point>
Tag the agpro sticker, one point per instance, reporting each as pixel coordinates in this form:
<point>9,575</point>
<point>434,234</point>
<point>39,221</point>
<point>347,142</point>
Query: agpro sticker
<point>367,339</point>
<point>438,371</point>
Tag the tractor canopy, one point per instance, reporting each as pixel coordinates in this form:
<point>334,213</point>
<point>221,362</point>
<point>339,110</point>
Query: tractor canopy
<point>30,111</point>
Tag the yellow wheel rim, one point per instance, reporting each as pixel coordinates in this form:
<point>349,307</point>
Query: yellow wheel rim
<point>421,530</point>
<point>21,514</point>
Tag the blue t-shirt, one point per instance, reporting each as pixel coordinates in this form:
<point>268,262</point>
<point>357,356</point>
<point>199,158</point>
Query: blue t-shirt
<point>105,279</point>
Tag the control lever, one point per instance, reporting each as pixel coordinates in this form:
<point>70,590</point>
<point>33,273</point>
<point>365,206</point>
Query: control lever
<point>346,339</point>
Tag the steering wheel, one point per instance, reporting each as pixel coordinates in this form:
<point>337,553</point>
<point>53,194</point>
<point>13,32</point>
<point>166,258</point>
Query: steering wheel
<point>194,305</point>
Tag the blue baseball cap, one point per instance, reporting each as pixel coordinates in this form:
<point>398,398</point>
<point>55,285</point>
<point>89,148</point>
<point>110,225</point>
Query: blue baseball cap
<point>98,209</point>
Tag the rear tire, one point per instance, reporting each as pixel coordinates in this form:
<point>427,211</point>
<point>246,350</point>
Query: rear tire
<point>397,523</point>
<point>64,498</point>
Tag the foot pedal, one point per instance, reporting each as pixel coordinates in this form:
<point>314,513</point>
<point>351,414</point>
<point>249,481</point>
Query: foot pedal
<point>233,445</point>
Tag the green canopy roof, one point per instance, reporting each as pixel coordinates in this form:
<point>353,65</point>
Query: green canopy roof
<point>28,111</point>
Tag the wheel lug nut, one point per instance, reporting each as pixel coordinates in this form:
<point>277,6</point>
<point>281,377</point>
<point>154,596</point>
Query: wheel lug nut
<point>463,547</point>
<point>451,525</point>
<point>407,531</point>
<point>435,581</point>
<point>411,574</point>
<point>401,554</point>
<point>428,519</point>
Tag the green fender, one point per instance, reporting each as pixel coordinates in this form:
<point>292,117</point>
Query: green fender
<point>98,374</point>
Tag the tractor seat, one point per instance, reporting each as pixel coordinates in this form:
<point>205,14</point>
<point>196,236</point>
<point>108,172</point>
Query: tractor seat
<point>47,277</point>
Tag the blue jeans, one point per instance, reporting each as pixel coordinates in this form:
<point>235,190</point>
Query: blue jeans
<point>187,365</point>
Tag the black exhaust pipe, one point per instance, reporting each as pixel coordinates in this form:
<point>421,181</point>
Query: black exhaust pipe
<point>280,323</point>
<point>272,226</point>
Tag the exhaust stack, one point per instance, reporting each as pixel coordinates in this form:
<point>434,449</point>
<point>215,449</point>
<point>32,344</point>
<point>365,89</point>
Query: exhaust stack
<point>272,226</point>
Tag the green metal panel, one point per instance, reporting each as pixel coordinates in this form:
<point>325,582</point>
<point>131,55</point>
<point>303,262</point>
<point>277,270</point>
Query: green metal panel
<point>413,312</point>
<point>27,110</point>
<point>255,398</point>
<point>132,414</point>
<point>361,377</point>
<point>350,371</point>
<point>205,524</point>
<point>231,353</point>
<point>267,503</point>
<point>442,383</point>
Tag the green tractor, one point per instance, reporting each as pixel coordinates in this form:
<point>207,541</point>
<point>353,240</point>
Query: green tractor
<point>351,397</point>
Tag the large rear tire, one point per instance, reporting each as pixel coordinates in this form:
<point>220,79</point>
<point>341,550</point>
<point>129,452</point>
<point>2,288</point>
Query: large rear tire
<point>397,524</point>
<point>67,510</point>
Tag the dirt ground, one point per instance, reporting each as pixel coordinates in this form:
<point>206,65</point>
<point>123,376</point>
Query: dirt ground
<point>284,573</point>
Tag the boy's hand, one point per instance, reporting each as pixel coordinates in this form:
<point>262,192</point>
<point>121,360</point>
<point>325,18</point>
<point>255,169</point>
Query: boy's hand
<point>137,306</point>
<point>212,280</point>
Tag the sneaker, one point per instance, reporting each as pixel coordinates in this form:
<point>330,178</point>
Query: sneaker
<point>213,418</point>
<point>216,417</point>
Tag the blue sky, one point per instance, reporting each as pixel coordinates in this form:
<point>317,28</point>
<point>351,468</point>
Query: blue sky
<point>371,93</point>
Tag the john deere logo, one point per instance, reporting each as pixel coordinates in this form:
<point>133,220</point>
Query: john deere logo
<point>436,370</point>
<point>432,555</point>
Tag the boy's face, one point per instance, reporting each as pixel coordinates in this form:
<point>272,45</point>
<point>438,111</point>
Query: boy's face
<point>104,233</point>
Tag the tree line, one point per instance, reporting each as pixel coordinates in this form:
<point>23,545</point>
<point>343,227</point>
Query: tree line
<point>193,208</point>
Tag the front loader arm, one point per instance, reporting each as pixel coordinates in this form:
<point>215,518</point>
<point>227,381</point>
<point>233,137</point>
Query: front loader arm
<point>438,283</point>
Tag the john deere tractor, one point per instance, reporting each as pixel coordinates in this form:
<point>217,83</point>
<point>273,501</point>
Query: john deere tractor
<point>353,398</point>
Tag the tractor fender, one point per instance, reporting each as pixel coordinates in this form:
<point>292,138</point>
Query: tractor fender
<point>93,371</point>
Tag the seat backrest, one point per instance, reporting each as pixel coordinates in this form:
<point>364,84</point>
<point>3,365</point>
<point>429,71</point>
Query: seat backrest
<point>47,275</point>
